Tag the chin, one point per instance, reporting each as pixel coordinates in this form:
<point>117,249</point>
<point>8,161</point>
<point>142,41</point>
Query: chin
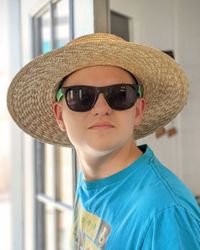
<point>101,149</point>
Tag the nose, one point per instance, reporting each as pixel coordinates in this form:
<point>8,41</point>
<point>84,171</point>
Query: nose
<point>101,107</point>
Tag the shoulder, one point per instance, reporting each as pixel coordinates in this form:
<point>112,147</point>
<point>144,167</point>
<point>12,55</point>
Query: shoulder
<point>161,189</point>
<point>174,227</point>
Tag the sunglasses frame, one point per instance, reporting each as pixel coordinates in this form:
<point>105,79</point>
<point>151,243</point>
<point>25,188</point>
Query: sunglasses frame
<point>138,88</point>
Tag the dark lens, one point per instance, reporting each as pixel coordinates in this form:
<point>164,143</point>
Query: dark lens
<point>80,98</point>
<point>122,96</point>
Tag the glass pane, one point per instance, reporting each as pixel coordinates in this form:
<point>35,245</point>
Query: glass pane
<point>50,218</point>
<point>49,175</point>
<point>46,32</point>
<point>66,176</point>
<point>62,22</point>
<point>83,17</point>
<point>64,229</point>
<point>120,25</point>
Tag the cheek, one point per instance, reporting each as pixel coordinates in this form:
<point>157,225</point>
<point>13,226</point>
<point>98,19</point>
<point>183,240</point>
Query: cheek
<point>127,122</point>
<point>133,119</point>
<point>74,125</point>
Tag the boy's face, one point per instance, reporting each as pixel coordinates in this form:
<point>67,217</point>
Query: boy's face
<point>100,129</point>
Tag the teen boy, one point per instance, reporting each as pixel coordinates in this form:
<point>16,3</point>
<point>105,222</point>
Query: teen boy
<point>101,93</point>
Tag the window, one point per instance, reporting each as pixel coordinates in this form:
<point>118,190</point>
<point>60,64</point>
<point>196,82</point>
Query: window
<point>120,25</point>
<point>55,167</point>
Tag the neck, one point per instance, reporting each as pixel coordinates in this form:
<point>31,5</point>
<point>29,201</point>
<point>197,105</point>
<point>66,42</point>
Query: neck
<point>103,164</point>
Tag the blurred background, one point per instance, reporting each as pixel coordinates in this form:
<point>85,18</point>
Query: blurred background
<point>38,181</point>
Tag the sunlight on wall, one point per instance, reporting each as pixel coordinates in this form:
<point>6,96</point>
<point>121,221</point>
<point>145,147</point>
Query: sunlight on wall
<point>5,202</point>
<point>4,116</point>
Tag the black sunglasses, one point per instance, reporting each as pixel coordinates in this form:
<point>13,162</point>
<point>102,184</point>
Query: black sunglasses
<point>83,98</point>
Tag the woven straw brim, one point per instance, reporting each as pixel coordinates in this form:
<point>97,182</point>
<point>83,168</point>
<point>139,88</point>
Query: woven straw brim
<point>32,92</point>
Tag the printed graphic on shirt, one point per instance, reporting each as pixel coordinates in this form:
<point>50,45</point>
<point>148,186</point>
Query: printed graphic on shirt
<point>90,231</point>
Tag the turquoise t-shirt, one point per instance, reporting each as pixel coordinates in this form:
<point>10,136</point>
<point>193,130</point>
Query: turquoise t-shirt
<point>144,206</point>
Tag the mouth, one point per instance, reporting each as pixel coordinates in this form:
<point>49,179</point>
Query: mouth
<point>101,125</point>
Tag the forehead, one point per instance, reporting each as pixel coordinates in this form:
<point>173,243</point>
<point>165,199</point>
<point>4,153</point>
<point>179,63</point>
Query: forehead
<point>99,75</point>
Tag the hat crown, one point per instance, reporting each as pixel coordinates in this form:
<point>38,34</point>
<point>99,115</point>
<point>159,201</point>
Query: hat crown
<point>97,37</point>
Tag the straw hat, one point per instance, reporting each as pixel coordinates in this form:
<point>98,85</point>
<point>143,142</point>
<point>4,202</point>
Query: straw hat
<point>33,90</point>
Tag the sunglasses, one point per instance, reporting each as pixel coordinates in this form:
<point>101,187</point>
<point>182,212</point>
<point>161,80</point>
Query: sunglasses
<point>83,98</point>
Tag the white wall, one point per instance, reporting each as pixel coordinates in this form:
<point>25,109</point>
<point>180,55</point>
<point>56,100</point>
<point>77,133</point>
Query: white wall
<point>189,56</point>
<point>173,24</point>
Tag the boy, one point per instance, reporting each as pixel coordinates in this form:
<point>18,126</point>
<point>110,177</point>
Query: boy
<point>101,93</point>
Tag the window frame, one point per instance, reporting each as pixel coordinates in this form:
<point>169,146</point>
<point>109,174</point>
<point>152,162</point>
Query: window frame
<point>99,24</point>
<point>42,200</point>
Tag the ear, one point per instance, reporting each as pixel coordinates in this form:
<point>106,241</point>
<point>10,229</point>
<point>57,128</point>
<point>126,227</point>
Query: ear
<point>139,111</point>
<point>57,109</point>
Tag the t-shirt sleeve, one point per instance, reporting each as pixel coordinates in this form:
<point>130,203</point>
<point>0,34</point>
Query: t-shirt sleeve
<point>173,228</point>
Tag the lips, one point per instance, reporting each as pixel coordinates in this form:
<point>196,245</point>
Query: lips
<point>101,125</point>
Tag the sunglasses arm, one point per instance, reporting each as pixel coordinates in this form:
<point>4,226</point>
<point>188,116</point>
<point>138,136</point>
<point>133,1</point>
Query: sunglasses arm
<point>140,90</point>
<point>59,95</point>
